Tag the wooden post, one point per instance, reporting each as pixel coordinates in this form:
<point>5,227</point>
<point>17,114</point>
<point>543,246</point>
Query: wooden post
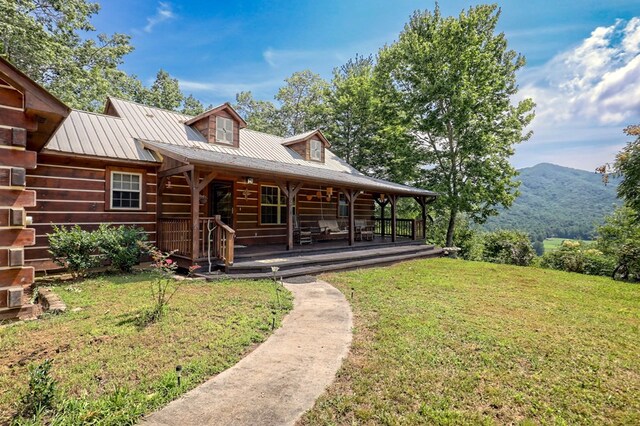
<point>290,190</point>
<point>383,205</point>
<point>351,197</point>
<point>393,200</point>
<point>423,213</point>
<point>414,232</point>
<point>195,214</point>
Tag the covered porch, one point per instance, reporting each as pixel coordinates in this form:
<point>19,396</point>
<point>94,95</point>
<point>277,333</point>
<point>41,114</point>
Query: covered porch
<point>226,212</point>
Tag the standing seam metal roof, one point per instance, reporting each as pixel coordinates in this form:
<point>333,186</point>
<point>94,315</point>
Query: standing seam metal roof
<point>120,137</point>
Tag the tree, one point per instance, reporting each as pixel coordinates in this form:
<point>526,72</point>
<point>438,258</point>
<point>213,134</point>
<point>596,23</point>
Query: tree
<point>165,92</point>
<point>620,237</point>
<point>627,166</point>
<point>261,116</point>
<point>302,102</point>
<point>48,40</point>
<point>456,78</point>
<point>192,106</point>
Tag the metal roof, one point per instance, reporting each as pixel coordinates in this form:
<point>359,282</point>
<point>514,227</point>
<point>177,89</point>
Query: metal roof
<point>100,135</point>
<point>349,178</point>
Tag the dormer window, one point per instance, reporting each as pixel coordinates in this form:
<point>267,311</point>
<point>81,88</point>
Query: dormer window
<point>315,150</point>
<point>224,130</point>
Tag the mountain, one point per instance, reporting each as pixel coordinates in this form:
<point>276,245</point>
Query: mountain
<point>557,201</point>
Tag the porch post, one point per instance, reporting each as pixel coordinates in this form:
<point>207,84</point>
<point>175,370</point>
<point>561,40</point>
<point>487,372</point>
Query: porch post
<point>351,197</point>
<point>290,190</point>
<point>422,201</point>
<point>383,205</point>
<point>195,214</point>
<point>393,199</point>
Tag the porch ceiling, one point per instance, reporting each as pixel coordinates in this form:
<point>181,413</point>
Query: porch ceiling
<point>272,169</point>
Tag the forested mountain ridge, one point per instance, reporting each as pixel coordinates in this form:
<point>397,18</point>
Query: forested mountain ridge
<point>558,201</point>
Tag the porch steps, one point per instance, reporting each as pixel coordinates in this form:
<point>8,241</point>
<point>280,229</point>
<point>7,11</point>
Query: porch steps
<point>314,264</point>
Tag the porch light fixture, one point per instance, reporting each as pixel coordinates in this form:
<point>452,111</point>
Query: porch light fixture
<point>248,180</point>
<point>381,198</point>
<point>169,182</point>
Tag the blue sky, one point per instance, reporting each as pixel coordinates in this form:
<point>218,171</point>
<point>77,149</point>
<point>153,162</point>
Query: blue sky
<point>583,57</point>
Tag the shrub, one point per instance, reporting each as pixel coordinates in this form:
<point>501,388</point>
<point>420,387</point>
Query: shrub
<point>572,256</point>
<point>510,247</point>
<point>41,392</point>
<point>74,249</point>
<point>122,245</point>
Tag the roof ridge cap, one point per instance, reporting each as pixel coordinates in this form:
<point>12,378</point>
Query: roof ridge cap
<point>149,106</point>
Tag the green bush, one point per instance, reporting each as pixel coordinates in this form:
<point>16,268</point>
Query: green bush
<point>510,247</point>
<point>122,245</point>
<point>572,256</point>
<point>41,393</point>
<point>74,249</point>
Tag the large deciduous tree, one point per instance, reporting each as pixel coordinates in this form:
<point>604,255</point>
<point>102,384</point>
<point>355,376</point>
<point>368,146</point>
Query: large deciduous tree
<point>51,42</point>
<point>302,101</point>
<point>456,80</point>
<point>627,166</point>
<point>262,116</point>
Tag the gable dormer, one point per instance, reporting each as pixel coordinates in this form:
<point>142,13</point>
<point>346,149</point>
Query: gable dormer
<point>220,125</point>
<point>310,145</point>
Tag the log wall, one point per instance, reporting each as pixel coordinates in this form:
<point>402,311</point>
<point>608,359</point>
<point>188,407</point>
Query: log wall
<point>71,190</point>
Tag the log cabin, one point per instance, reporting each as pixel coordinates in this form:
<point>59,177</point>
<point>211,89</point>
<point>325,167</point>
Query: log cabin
<point>209,189</point>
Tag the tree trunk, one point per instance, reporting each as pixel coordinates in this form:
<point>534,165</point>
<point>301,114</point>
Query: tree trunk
<point>451,228</point>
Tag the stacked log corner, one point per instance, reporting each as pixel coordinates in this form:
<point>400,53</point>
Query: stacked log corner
<point>15,277</point>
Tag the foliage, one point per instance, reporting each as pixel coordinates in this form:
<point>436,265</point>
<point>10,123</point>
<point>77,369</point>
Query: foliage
<point>545,208</point>
<point>449,342</point>
<point>51,41</point>
<point>455,79</point>
<point>192,106</point>
<point>165,286</point>
<point>509,247</point>
<point>122,245</point>
<point>41,391</point>
<point>627,166</point>
<point>165,92</point>
<point>74,249</point>
<point>109,370</point>
<point>261,116</point>
<point>619,237</point>
<point>302,102</point>
<point>573,256</point>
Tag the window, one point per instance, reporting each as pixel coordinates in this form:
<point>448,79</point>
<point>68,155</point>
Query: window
<point>343,206</point>
<point>273,206</point>
<point>126,190</point>
<point>224,130</point>
<point>315,152</point>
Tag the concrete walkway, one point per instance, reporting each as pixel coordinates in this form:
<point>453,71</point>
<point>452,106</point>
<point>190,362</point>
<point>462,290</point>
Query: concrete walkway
<point>281,379</point>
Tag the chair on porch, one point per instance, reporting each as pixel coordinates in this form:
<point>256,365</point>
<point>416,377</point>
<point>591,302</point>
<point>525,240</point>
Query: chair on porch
<point>301,235</point>
<point>364,230</point>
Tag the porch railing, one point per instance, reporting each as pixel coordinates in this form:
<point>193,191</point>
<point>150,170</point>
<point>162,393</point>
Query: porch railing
<point>408,228</point>
<point>215,238</point>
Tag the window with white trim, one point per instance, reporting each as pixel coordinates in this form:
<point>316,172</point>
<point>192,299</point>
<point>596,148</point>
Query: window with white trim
<point>126,190</point>
<point>224,130</point>
<point>315,150</point>
<point>273,206</point>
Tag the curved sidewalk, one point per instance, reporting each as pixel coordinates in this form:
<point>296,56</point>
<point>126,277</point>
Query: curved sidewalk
<point>280,380</point>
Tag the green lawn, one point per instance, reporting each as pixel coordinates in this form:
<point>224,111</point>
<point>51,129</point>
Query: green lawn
<point>446,341</point>
<point>554,243</point>
<point>110,369</point>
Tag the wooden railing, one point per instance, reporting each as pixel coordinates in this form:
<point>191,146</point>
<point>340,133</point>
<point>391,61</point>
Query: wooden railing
<point>408,228</point>
<point>215,238</point>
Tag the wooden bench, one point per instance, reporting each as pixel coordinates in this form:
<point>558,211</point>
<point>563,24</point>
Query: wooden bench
<point>364,230</point>
<point>330,230</point>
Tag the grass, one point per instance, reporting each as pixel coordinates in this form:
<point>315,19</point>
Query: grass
<point>112,370</point>
<point>452,342</point>
<point>551,244</point>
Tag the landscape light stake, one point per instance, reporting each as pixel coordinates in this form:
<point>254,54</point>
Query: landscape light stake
<point>352,290</point>
<point>179,373</point>
<point>273,319</point>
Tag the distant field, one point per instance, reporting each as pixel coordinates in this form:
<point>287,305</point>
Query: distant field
<point>553,243</point>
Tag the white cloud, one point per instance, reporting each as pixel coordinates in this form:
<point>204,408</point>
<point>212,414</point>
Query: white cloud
<point>588,93</point>
<point>164,12</point>
<point>227,90</point>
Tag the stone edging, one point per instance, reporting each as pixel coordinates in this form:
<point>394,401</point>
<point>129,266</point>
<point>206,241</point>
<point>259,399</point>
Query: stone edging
<point>51,302</point>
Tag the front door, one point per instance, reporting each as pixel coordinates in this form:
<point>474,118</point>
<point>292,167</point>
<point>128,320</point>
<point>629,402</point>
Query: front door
<point>221,196</point>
